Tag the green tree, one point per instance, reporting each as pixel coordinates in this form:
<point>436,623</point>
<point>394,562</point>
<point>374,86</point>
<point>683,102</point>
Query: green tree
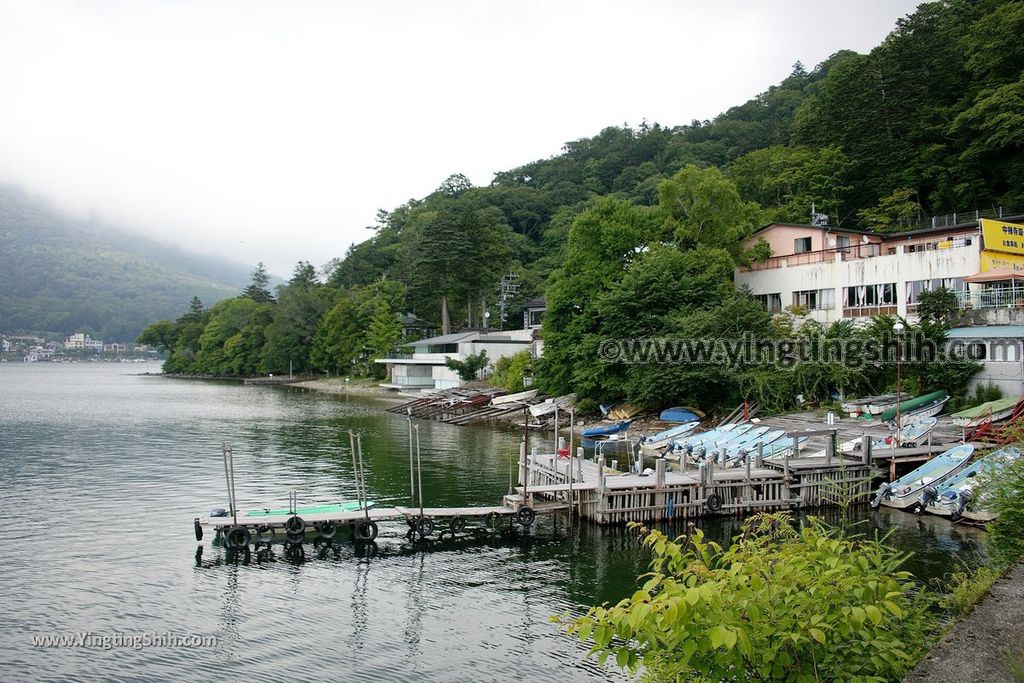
<point>259,289</point>
<point>470,367</point>
<point>301,303</point>
<point>510,372</point>
<point>897,211</point>
<point>703,208</point>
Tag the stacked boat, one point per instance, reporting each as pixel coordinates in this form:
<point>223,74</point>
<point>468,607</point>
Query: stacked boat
<point>994,411</point>
<point>737,440</point>
<point>927,405</point>
<point>906,491</point>
<point>871,405</point>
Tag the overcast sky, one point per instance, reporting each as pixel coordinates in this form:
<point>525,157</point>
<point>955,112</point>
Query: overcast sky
<point>275,130</point>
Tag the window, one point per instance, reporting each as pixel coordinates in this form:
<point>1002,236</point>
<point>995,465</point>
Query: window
<point>870,296</point>
<point>801,245</point>
<point>915,287</point>
<point>843,242</point>
<point>771,302</point>
<point>815,299</point>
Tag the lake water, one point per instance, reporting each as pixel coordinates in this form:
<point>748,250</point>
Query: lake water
<point>102,471</point>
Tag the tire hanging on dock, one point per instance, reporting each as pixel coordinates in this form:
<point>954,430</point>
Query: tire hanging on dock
<point>327,530</point>
<point>424,526</point>
<point>295,525</point>
<point>366,530</point>
<point>457,524</point>
<point>525,516</point>
<point>237,537</point>
<point>714,502</point>
<point>265,533</point>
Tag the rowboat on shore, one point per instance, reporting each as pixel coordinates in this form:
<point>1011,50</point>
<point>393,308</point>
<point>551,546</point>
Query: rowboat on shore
<point>606,430</point>
<point>662,439</point>
<point>998,410</point>
<point>910,435</point>
<point>916,408</point>
<point>682,414</point>
<point>906,491</point>
<point>864,405</point>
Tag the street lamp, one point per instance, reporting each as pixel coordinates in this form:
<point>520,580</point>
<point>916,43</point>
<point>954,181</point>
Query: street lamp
<point>898,329</point>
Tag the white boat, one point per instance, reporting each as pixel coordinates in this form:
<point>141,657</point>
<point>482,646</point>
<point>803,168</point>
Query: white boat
<point>959,497</point>
<point>514,398</point>
<point>996,411</point>
<point>909,436</point>
<point>906,491</point>
<point>549,406</point>
<point>880,404</point>
<point>858,406</point>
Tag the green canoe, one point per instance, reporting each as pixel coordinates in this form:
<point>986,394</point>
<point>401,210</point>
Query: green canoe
<point>913,404</point>
<point>316,510</point>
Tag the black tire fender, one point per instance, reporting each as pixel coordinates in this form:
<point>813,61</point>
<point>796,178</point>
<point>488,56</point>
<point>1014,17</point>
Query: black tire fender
<point>424,526</point>
<point>237,537</point>
<point>327,530</point>
<point>457,524</point>
<point>525,515</point>
<point>265,533</point>
<point>714,502</point>
<point>366,530</point>
<point>295,525</point>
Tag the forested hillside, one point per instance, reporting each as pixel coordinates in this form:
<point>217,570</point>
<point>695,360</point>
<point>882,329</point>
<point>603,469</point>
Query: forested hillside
<point>59,274</point>
<point>636,231</point>
<point>929,122</point>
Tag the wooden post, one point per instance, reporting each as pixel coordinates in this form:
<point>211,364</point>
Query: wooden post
<point>785,469</point>
<point>830,448</point>
<point>759,459</point>
<point>723,456</point>
<point>750,490</point>
<point>702,476</point>
<point>865,449</point>
<point>599,515</point>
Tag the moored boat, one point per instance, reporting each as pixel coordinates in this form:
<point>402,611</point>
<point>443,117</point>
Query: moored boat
<point>959,496</point>
<point>906,491</point>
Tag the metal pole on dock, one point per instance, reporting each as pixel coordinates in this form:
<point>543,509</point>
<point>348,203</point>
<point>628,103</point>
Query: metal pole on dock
<point>229,479</point>
<point>355,465</point>
<point>419,471</point>
<point>572,428</point>
<point>362,478</point>
<point>412,479</point>
<point>526,457</point>
<point>556,429</point>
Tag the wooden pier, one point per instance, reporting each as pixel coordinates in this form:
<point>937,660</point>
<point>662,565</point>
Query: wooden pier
<point>604,495</point>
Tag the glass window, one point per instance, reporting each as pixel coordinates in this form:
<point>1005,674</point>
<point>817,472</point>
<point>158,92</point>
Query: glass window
<point>801,245</point>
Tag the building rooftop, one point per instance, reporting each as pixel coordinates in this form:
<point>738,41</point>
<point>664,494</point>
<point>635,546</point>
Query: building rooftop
<point>987,332</point>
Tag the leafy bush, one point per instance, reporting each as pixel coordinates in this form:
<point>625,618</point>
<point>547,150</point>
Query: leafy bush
<point>967,586</point>
<point>1004,496</point>
<point>780,603</point>
<point>509,371</point>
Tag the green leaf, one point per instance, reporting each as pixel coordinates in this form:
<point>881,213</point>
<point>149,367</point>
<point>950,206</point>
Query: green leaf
<point>817,634</point>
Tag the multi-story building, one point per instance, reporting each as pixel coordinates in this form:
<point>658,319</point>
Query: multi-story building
<point>83,341</point>
<point>834,273</point>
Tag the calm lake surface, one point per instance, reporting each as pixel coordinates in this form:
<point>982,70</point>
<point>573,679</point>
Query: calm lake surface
<point>102,471</point>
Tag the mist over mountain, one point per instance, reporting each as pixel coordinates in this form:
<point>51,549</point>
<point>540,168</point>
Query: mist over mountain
<point>62,274</point>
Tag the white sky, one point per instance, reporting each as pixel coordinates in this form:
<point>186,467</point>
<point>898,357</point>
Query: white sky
<point>275,130</point>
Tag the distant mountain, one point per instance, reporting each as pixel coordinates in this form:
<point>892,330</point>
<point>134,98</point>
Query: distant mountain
<point>62,274</point>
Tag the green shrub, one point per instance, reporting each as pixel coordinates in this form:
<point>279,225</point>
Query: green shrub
<point>1004,495</point>
<point>967,586</point>
<point>780,603</point>
<point>509,371</point>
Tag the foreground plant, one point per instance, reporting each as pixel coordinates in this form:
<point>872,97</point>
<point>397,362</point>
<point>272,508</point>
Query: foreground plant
<point>780,603</point>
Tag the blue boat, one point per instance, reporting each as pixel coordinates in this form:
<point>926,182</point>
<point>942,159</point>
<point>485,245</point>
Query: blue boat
<point>906,491</point>
<point>661,439</point>
<point>680,414</point>
<point>606,430</point>
<point>952,498</point>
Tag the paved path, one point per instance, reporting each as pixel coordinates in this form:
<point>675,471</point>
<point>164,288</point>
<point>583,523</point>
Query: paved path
<point>980,646</point>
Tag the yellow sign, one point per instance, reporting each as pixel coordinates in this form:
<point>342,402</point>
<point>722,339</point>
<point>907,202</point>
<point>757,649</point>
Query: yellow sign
<point>993,260</point>
<point>1002,236</point>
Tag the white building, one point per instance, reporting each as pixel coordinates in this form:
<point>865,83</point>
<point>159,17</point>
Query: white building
<point>425,368</point>
<point>83,341</point>
<point>836,273</point>
<point>1000,351</point>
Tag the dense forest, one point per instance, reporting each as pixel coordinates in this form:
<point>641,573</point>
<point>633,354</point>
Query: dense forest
<point>63,275</point>
<point>636,231</point>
